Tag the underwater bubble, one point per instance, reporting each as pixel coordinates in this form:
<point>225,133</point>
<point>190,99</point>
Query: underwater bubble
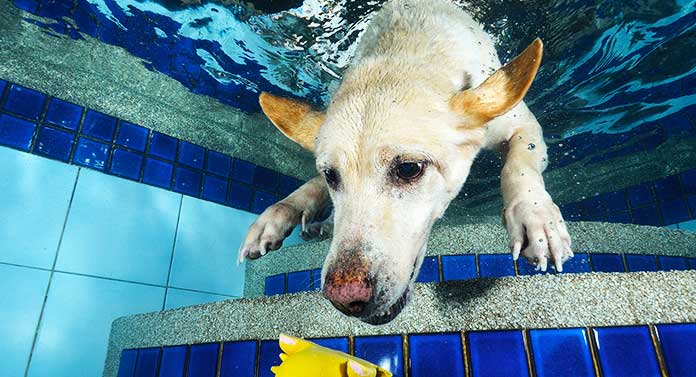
<point>531,146</point>
<point>541,240</point>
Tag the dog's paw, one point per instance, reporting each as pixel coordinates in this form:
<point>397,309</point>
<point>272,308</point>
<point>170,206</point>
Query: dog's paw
<point>317,231</point>
<point>537,231</point>
<point>269,230</point>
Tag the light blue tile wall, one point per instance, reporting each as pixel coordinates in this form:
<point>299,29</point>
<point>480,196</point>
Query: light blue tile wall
<point>119,248</point>
<point>74,334</point>
<point>119,229</point>
<point>21,298</point>
<point>35,195</point>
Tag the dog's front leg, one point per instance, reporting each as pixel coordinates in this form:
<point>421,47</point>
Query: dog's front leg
<point>533,220</point>
<point>277,221</point>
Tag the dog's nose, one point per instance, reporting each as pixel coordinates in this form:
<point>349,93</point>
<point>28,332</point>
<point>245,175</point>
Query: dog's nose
<point>349,289</point>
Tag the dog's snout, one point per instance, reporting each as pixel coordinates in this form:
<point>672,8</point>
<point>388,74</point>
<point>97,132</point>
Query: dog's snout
<point>349,288</point>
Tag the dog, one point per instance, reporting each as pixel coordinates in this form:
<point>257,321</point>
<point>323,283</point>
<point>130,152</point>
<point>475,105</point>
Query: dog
<point>423,94</point>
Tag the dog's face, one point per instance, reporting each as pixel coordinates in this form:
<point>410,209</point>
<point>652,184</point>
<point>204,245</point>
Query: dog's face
<point>394,153</point>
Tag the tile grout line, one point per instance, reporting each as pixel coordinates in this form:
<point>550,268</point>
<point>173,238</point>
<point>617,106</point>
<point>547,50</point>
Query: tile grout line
<point>655,340</point>
<point>52,273</point>
<point>171,258</point>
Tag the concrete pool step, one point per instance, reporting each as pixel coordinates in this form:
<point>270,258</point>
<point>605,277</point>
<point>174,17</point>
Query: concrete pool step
<point>485,235</point>
<point>524,302</point>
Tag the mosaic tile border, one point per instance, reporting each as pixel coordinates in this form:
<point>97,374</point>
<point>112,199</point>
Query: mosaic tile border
<point>443,268</point>
<point>34,122</point>
<point>662,349</point>
<point>665,201</point>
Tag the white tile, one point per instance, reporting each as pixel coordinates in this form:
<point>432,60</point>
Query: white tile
<point>205,256</point>
<point>688,225</point>
<point>35,198</point>
<point>21,296</point>
<point>74,333</point>
<point>177,298</point>
<point>119,229</point>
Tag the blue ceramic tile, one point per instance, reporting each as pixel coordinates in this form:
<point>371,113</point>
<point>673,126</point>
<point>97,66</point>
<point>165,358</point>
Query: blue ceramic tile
<point>286,185</point>
<point>436,355</point>
<point>214,189</point>
<point>243,171</point>
<point>268,357</point>
<point>15,132</point>
<point>640,195</point>
<point>499,353</point>
<point>668,188</point>
<point>27,5</point>
<point>674,211</point>
<point>148,359</point>
<point>131,225</point>
<point>384,351</point>
<point>54,143</point>
<point>3,84</point>
<point>126,164</point>
<point>619,217</point>
<point>429,271</point>
<point>173,361</point>
<point>692,204</point>
<point>678,348</point>
<point>99,126</point>
<point>90,154</point>
<point>688,179</point>
<point>496,265</point>
<point>626,351</point>
<point>265,179</point>
<point>35,195</point>
<point>299,281</point>
<point>637,263</point>
<point>218,163</point>
<point>607,263</point>
<point>262,200</point>
<point>63,114</point>
<point>126,365</point>
<point>458,267</point>
<point>561,352</point>
<point>238,359</point>
<point>316,279</point>
<point>571,211</point>
<point>689,226</point>
<point>132,136</point>
<point>615,201</point>
<point>647,216</point>
<point>240,196</point>
<point>163,146</point>
<point>591,205</point>
<point>668,263</point>
<point>218,230</point>
<point>178,298</point>
<point>21,299</point>
<point>526,268</point>
<point>25,102</point>
<point>191,155</point>
<point>203,360</point>
<point>340,344</point>
<point>275,285</point>
<point>187,181</point>
<point>577,264</point>
<point>158,173</point>
<point>65,347</point>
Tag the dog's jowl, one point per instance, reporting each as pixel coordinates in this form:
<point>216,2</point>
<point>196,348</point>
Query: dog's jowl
<point>424,93</point>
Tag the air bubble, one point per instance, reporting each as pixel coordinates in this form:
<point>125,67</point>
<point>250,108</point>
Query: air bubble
<point>531,146</point>
<point>541,240</point>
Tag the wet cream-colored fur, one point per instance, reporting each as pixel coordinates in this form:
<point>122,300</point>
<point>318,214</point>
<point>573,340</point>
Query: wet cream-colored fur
<point>395,103</point>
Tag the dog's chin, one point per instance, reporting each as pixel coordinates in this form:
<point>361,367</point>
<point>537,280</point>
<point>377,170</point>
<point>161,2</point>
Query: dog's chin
<point>389,314</point>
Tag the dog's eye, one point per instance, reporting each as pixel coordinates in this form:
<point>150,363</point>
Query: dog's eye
<point>410,171</point>
<point>332,178</point>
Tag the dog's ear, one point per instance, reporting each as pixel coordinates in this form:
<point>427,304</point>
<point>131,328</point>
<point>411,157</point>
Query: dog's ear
<point>296,120</point>
<point>503,90</point>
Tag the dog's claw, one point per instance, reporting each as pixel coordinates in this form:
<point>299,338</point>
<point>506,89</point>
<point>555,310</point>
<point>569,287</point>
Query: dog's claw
<point>268,231</point>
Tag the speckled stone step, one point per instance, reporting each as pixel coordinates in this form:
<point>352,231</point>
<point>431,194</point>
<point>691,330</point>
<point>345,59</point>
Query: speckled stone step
<point>485,235</point>
<point>541,301</point>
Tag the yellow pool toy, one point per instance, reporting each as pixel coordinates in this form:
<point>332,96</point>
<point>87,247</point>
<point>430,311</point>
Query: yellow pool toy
<point>302,358</point>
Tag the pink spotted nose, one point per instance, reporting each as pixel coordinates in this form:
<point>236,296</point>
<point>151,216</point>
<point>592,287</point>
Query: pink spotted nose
<point>349,288</point>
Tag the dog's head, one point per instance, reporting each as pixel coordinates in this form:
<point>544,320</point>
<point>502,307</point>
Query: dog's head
<point>394,152</point>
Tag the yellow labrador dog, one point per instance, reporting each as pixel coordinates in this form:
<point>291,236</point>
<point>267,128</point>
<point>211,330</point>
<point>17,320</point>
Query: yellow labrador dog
<point>424,93</point>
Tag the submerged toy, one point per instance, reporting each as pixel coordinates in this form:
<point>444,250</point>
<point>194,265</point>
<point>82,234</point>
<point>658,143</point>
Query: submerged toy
<point>302,358</point>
